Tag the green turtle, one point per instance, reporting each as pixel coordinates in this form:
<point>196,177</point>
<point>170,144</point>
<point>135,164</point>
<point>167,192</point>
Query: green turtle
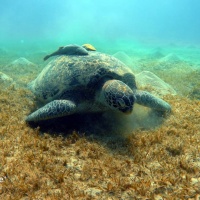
<point>96,82</point>
<point>71,49</point>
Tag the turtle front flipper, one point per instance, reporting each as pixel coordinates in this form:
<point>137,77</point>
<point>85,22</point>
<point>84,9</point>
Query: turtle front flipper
<point>146,99</point>
<point>56,108</point>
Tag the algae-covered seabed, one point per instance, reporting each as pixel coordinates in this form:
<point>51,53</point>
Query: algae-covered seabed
<point>102,157</point>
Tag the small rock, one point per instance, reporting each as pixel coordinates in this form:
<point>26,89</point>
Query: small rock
<point>122,56</point>
<point>168,62</point>
<point>159,87</point>
<point>156,54</point>
<point>170,58</point>
<point>5,80</point>
<point>20,66</point>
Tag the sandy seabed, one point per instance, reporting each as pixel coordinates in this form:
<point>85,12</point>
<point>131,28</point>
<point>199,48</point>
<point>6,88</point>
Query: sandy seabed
<point>91,158</point>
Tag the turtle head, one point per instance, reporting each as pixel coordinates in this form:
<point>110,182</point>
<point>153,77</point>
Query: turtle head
<point>118,96</point>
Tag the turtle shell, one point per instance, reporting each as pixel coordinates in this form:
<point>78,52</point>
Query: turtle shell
<point>79,75</point>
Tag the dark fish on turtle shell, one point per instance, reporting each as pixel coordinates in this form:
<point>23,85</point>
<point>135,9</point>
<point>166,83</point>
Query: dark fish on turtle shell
<point>71,49</point>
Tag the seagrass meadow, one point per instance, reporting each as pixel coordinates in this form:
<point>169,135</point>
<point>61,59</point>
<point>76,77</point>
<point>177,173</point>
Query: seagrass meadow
<point>141,156</point>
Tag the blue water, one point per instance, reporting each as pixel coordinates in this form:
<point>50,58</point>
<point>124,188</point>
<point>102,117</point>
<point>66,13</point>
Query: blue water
<point>95,21</point>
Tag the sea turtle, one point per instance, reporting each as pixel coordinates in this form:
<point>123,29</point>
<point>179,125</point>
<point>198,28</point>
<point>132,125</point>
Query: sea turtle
<point>71,49</point>
<point>96,82</point>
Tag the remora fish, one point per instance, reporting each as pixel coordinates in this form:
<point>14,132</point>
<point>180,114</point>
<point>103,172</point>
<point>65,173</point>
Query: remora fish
<point>69,50</point>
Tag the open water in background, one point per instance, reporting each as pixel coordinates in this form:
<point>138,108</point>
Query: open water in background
<point>41,24</point>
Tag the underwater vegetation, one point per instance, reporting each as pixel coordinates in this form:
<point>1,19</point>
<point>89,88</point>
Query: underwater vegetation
<point>103,161</point>
<point>162,162</point>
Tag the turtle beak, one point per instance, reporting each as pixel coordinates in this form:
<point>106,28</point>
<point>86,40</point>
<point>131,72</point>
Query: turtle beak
<point>127,110</point>
<point>128,105</point>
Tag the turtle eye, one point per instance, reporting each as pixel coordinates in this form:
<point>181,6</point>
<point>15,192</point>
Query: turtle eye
<point>121,103</point>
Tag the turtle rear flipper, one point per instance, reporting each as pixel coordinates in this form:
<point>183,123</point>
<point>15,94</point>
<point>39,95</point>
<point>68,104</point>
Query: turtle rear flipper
<point>146,99</point>
<point>56,108</point>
